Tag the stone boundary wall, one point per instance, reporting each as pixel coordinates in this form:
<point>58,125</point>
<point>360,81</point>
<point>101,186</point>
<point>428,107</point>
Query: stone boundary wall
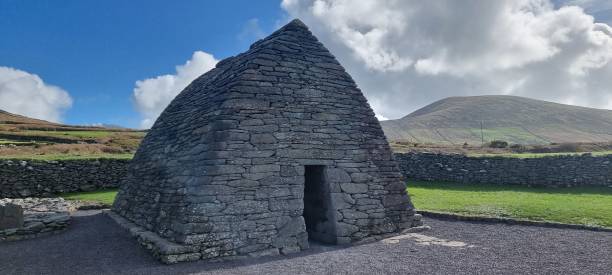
<point>36,178</point>
<point>554,171</point>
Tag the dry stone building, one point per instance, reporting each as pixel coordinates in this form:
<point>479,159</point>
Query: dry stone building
<point>272,147</point>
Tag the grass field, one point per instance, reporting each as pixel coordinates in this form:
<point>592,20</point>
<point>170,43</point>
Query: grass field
<point>64,145</point>
<point>50,157</point>
<point>101,196</point>
<point>577,205</point>
<point>510,134</point>
<point>5,141</point>
<point>68,134</point>
<point>539,155</point>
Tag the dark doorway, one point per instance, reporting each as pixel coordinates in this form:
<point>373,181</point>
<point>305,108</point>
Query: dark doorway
<point>318,213</point>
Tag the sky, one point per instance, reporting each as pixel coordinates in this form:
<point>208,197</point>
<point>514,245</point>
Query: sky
<point>117,62</point>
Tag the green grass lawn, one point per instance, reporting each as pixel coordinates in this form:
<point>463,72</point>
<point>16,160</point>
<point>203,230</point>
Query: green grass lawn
<point>102,196</point>
<point>577,205</point>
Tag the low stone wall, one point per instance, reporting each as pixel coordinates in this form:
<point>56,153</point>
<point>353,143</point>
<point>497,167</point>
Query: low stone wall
<point>39,217</point>
<point>21,178</point>
<point>553,171</point>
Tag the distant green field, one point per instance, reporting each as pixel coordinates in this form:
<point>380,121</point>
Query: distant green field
<point>6,141</point>
<point>472,135</point>
<point>75,134</point>
<point>68,156</point>
<point>510,134</point>
<point>100,196</point>
<point>577,205</point>
<point>539,155</point>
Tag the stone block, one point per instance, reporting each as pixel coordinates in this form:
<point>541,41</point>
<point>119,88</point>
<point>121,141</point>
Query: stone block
<point>341,200</point>
<point>245,103</point>
<point>11,216</point>
<point>265,168</point>
<point>338,175</point>
<point>345,230</point>
<point>352,214</point>
<point>247,207</point>
<point>354,188</point>
<point>288,171</point>
<point>290,250</point>
<point>265,138</point>
<point>293,227</point>
<point>360,177</point>
<point>391,200</point>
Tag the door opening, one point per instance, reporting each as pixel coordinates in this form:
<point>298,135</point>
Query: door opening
<point>318,213</point>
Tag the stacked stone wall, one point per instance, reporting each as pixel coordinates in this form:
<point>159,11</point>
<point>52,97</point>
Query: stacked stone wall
<point>26,178</point>
<point>554,171</point>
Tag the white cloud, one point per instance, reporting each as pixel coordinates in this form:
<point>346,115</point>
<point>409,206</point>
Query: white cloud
<point>26,94</point>
<point>152,95</point>
<point>406,54</point>
<point>251,31</point>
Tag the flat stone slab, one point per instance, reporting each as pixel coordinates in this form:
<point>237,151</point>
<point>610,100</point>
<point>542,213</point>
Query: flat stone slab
<point>39,216</point>
<point>11,216</point>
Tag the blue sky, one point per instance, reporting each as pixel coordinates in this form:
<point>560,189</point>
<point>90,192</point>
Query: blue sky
<point>96,50</point>
<point>120,62</point>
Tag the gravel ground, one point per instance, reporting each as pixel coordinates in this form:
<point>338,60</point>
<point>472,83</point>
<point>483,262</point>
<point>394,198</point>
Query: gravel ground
<point>95,245</point>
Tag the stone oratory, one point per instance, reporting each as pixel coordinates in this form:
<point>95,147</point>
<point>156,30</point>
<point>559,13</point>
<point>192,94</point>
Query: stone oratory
<point>272,148</point>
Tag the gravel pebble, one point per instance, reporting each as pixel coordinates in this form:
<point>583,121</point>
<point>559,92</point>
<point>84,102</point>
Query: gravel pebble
<point>95,245</point>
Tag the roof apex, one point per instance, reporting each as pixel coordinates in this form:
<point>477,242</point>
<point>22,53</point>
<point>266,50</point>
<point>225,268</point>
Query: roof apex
<point>288,32</point>
<point>296,23</point>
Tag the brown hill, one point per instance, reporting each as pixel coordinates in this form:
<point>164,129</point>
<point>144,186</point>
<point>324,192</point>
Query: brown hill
<point>24,137</point>
<point>7,119</point>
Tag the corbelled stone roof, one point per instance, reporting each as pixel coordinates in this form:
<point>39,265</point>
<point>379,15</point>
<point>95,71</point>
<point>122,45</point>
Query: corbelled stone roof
<point>222,171</point>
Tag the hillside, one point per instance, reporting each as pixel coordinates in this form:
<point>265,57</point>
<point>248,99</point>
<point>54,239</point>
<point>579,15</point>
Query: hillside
<point>456,120</point>
<point>24,137</point>
<point>7,118</point>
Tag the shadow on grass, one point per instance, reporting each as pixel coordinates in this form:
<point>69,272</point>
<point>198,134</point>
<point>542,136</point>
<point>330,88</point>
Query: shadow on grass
<point>483,187</point>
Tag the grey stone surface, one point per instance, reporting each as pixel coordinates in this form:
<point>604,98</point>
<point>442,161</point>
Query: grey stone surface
<point>21,178</point>
<point>222,171</point>
<point>38,216</point>
<point>11,216</point>
<point>94,244</point>
<point>554,171</point>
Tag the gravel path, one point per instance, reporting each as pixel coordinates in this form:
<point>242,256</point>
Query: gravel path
<point>95,245</point>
